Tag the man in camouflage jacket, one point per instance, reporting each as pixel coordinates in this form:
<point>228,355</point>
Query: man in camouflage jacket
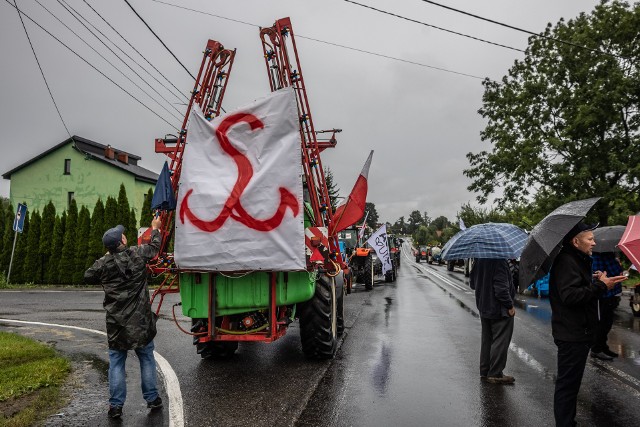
<point>131,325</point>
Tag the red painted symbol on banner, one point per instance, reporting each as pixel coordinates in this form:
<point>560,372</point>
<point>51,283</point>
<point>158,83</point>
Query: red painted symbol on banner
<point>233,207</point>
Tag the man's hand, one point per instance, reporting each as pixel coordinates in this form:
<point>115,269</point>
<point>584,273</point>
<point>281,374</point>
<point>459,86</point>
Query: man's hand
<point>610,282</point>
<point>156,223</point>
<point>512,311</point>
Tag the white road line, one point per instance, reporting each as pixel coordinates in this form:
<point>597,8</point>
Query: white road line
<point>171,383</point>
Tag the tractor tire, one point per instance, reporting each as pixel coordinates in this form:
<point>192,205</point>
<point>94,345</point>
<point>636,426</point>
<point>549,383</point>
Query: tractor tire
<point>368,273</point>
<point>318,321</point>
<point>341,290</point>
<point>450,266</point>
<point>215,349</point>
<point>418,259</point>
<point>388,276</point>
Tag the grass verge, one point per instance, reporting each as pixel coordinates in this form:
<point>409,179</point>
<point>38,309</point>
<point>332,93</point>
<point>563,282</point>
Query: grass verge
<point>31,374</point>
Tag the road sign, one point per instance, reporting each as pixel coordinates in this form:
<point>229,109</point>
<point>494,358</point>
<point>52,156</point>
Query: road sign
<point>18,222</point>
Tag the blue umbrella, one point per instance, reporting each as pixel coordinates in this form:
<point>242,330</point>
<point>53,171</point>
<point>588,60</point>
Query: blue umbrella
<point>490,240</point>
<point>163,197</point>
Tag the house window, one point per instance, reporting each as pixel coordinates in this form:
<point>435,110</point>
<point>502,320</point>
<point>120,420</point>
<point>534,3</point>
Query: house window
<point>70,197</point>
<point>67,166</point>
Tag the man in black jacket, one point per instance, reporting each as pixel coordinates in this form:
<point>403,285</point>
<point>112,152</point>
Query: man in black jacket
<point>573,293</point>
<point>131,324</point>
<point>495,290</point>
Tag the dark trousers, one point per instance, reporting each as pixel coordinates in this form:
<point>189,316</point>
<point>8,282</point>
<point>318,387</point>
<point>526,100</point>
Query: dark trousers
<point>496,337</point>
<point>572,358</point>
<point>607,308</point>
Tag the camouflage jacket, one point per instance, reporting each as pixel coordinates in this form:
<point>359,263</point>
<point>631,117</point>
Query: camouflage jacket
<point>123,275</point>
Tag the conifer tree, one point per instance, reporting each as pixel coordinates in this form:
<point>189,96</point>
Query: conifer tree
<point>83,232</point>
<point>20,252</point>
<point>68,255</point>
<point>146,214</point>
<point>98,227</point>
<point>122,216</point>
<point>7,240</point>
<point>56,249</point>
<point>47,223</point>
<point>32,270</point>
<point>110,214</point>
<point>132,229</point>
<point>2,220</point>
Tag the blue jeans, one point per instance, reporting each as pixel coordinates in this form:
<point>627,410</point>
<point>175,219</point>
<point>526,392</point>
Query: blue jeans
<point>117,378</point>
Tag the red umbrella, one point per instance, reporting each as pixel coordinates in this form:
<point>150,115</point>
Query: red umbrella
<point>630,242</point>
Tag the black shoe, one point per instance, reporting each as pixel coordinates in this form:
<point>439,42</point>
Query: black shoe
<point>610,353</point>
<point>115,411</point>
<point>156,404</point>
<point>504,379</point>
<point>601,356</point>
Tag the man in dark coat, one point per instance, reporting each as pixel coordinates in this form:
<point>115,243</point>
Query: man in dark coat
<point>495,290</point>
<point>131,325</point>
<point>573,294</point>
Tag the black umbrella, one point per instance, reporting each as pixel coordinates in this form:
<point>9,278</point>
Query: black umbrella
<point>607,238</point>
<point>545,240</point>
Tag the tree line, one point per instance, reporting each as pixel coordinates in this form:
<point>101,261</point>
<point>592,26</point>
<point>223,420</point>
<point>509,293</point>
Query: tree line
<point>57,248</point>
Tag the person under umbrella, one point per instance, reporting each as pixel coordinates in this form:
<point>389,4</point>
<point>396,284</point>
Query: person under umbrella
<point>573,293</point>
<point>492,245</point>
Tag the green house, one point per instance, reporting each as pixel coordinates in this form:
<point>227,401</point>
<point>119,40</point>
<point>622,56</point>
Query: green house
<point>79,169</point>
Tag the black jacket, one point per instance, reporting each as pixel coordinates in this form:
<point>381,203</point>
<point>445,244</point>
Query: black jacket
<point>123,275</point>
<point>493,283</point>
<point>573,296</point>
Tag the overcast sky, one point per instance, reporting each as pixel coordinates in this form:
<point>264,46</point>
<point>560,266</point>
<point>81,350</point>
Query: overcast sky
<point>420,121</point>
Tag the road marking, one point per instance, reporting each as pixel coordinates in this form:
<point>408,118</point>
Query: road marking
<point>529,359</point>
<point>171,383</point>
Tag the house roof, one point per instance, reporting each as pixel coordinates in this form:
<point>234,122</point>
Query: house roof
<point>96,151</point>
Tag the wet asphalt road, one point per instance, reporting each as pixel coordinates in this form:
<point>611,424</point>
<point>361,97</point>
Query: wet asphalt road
<point>409,357</point>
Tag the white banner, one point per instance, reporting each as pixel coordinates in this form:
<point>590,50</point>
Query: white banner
<point>240,198</point>
<point>378,241</point>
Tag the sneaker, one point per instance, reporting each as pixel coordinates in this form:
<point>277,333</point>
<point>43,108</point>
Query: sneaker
<point>156,404</point>
<point>601,356</point>
<point>115,411</point>
<point>505,379</point>
<point>610,353</point>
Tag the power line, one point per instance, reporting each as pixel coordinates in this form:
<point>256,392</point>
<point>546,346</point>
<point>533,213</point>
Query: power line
<point>90,64</point>
<point>519,29</point>
<point>68,8</point>
<point>138,52</point>
<point>105,59</point>
<point>434,26</point>
<point>160,40</point>
<point>15,4</point>
<point>326,42</point>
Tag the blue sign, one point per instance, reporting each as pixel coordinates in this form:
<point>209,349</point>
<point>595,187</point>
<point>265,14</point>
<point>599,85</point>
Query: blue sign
<point>18,222</point>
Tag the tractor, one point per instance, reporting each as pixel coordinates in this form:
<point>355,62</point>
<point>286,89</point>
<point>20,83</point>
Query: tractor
<point>227,308</point>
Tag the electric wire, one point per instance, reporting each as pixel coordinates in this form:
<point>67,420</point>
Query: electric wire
<point>78,15</point>
<point>329,43</point>
<point>512,27</point>
<point>433,26</point>
<point>15,4</point>
<point>91,65</point>
<point>139,53</point>
<point>159,39</point>
<point>105,59</point>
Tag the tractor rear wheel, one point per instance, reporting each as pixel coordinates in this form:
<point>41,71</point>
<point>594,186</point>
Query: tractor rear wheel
<point>341,290</point>
<point>368,273</point>
<point>214,349</point>
<point>319,320</point>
